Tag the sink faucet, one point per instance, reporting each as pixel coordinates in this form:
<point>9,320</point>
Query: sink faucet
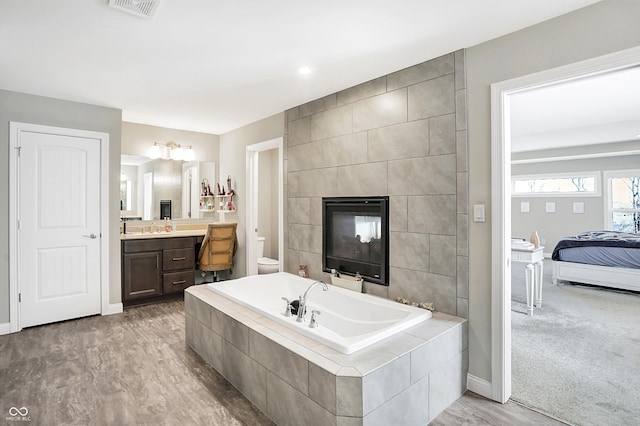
<point>302,307</point>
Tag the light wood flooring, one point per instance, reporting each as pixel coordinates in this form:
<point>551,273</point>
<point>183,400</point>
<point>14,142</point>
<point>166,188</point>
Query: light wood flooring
<point>135,368</point>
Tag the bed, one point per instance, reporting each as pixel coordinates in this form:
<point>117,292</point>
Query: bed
<point>604,258</point>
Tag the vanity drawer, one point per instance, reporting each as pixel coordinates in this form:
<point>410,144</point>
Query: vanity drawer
<point>174,282</point>
<point>175,259</point>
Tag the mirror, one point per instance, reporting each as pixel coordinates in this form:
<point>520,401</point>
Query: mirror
<point>146,184</point>
<point>126,195</point>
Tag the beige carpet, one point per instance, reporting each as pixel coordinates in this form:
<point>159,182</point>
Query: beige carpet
<point>578,358</point>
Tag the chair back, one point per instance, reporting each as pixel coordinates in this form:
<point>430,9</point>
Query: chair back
<point>218,247</point>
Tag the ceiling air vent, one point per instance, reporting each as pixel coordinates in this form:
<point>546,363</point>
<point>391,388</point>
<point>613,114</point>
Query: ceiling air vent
<point>139,8</point>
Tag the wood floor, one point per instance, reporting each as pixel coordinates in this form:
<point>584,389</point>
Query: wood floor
<point>135,368</point>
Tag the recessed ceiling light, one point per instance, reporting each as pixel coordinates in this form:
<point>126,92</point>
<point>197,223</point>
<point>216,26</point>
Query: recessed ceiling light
<point>304,70</point>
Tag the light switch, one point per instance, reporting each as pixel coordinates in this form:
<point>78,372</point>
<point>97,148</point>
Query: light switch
<point>478,213</point>
<point>578,207</point>
<point>550,207</point>
<point>524,207</point>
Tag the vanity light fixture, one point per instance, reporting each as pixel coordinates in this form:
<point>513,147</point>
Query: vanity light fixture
<point>171,151</point>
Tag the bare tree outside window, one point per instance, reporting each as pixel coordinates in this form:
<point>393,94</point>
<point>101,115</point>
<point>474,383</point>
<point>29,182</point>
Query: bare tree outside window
<point>625,207</point>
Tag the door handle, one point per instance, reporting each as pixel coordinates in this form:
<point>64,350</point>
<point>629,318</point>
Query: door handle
<point>92,236</point>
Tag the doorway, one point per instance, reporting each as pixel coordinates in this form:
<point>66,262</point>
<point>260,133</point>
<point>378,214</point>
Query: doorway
<point>253,229</point>
<point>501,197</point>
<point>59,245</point>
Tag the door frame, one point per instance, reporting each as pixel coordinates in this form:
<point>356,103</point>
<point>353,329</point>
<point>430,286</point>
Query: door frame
<point>501,197</point>
<point>251,229</point>
<point>15,128</point>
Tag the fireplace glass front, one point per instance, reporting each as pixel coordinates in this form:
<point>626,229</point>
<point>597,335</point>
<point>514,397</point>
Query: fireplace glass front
<point>356,237</point>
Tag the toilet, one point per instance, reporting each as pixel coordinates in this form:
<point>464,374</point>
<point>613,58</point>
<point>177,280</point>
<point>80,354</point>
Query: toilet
<point>265,264</point>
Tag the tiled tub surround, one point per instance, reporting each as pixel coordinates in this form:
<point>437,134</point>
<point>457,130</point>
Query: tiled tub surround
<point>407,379</point>
<point>403,135</point>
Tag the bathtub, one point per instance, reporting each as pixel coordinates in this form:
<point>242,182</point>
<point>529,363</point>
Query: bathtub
<point>348,322</point>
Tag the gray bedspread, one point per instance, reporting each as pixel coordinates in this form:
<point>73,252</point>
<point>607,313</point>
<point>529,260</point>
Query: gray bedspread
<point>605,248</point>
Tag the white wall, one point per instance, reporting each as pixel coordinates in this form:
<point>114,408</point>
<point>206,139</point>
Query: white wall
<point>594,31</point>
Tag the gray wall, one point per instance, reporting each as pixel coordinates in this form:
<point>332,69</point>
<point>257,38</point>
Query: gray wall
<point>233,155</point>
<point>137,139</point>
<point>402,135</point>
<point>554,226</point>
<point>593,31</point>
<point>54,112</point>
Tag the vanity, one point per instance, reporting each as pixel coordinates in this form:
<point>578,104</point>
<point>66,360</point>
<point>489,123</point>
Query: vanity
<point>158,266</point>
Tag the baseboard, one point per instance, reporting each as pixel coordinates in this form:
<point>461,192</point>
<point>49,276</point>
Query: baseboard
<point>479,386</point>
<point>5,328</point>
<point>113,308</point>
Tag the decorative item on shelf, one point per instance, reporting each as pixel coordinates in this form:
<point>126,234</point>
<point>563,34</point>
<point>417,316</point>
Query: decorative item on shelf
<point>303,272</point>
<point>204,185</point>
<point>535,239</point>
<point>171,151</point>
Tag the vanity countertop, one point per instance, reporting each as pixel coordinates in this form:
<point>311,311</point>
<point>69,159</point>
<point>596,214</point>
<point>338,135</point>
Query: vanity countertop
<point>163,234</point>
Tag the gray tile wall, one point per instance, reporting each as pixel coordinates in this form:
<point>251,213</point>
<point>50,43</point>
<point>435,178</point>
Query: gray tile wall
<point>403,135</point>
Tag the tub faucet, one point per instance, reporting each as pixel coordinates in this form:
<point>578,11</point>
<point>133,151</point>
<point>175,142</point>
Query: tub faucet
<point>302,307</point>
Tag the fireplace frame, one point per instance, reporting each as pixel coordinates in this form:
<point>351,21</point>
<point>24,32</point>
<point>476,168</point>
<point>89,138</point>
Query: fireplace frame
<point>374,272</point>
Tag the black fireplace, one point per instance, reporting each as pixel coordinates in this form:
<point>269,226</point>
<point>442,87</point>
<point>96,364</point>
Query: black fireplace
<point>355,237</point>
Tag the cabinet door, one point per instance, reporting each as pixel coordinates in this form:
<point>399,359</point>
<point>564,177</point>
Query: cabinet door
<point>141,275</point>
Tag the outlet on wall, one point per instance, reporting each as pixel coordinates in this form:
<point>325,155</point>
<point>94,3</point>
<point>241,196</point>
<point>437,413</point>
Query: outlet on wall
<point>543,241</point>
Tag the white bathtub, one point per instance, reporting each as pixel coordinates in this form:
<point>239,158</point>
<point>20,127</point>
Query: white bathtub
<point>348,322</point>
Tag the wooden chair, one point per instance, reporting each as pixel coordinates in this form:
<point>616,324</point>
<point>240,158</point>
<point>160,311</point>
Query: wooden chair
<point>218,248</point>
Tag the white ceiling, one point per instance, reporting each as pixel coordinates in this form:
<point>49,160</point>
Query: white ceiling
<point>589,111</point>
<point>213,66</point>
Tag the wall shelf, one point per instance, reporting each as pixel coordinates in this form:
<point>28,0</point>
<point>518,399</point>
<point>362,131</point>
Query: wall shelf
<point>216,203</point>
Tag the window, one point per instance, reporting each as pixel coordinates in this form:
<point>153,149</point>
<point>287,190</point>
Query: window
<point>557,184</point>
<point>623,201</point>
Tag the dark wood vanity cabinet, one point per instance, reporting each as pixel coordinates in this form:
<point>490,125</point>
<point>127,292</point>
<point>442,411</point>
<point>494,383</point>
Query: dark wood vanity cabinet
<point>141,275</point>
<point>156,268</point>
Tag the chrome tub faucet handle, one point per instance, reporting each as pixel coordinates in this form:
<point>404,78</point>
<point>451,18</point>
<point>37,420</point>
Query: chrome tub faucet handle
<point>287,309</point>
<point>313,323</point>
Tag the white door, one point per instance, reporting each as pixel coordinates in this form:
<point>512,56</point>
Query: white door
<point>59,227</point>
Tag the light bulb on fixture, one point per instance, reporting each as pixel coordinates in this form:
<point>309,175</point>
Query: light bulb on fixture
<point>176,153</point>
<point>189,155</point>
<point>155,151</point>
